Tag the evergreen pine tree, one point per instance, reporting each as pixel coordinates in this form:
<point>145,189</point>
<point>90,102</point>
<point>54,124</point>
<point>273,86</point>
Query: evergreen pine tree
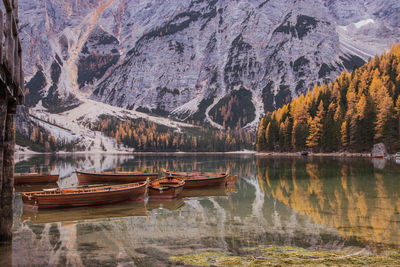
<point>315,128</point>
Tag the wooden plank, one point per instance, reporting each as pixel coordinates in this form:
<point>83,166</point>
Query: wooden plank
<point>7,192</point>
<point>3,114</point>
<point>15,69</point>
<point>1,37</point>
<point>9,42</point>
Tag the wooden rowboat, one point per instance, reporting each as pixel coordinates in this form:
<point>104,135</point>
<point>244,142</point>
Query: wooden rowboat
<point>84,196</point>
<point>193,180</point>
<point>188,174</point>
<point>35,178</point>
<point>110,177</point>
<point>168,187</point>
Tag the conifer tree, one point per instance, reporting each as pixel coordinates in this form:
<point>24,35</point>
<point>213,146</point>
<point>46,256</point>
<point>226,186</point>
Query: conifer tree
<point>344,131</point>
<point>315,128</point>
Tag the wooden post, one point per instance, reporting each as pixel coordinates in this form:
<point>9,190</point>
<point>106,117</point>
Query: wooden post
<point>9,41</point>
<point>3,113</point>
<point>7,190</point>
<point>1,37</point>
<point>15,67</point>
<point>11,95</point>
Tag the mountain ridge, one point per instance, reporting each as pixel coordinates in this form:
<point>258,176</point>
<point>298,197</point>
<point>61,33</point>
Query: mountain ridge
<point>220,63</point>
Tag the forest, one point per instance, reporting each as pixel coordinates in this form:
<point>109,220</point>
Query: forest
<point>144,135</point>
<point>351,113</point>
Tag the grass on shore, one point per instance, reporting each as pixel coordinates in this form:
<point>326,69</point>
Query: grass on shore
<point>287,256</point>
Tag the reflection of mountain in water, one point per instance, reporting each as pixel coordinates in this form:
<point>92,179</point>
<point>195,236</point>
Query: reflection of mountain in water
<point>354,198</point>
<point>284,202</point>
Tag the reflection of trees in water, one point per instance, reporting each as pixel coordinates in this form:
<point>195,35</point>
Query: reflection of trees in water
<point>285,202</point>
<point>354,198</point>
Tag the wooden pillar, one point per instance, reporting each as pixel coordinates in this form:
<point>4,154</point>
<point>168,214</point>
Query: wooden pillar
<point>3,113</point>
<point>7,190</point>
<point>1,36</point>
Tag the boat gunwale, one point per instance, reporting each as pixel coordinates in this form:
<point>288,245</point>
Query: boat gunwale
<point>35,174</point>
<point>115,174</point>
<point>207,178</point>
<point>181,184</point>
<point>190,176</point>
<point>38,193</point>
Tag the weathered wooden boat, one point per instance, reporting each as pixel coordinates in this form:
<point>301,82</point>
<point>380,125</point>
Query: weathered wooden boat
<point>85,196</point>
<point>113,177</point>
<point>35,178</point>
<point>193,180</point>
<point>167,187</point>
<point>188,174</point>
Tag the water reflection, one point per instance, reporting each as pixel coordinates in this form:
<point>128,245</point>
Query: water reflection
<point>326,204</point>
<point>81,214</point>
<point>355,198</point>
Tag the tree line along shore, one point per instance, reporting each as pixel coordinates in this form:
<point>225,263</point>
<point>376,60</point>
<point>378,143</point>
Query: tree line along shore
<point>349,115</point>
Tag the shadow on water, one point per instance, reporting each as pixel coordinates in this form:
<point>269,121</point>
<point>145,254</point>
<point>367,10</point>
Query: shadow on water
<point>326,204</point>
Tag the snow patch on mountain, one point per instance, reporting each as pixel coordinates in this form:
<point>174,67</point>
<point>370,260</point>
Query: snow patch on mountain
<point>364,22</point>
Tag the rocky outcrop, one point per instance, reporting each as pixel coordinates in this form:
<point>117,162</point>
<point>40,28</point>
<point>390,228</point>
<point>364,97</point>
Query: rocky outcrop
<point>98,54</point>
<point>379,151</point>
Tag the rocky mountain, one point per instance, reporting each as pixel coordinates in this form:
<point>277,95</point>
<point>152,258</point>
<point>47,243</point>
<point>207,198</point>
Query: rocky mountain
<point>219,62</point>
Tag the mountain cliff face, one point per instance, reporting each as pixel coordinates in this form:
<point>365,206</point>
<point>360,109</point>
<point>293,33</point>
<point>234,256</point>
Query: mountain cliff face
<point>220,62</point>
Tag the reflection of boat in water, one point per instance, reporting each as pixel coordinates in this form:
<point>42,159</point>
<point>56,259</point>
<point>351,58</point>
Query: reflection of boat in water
<point>35,178</point>
<point>208,191</point>
<point>113,177</point>
<point>84,196</point>
<point>164,188</point>
<point>231,179</point>
<point>77,214</point>
<point>170,204</point>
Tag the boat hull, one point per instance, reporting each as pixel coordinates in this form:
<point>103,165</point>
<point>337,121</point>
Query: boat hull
<point>171,192</point>
<point>197,179</point>
<point>35,178</point>
<point>165,188</point>
<point>87,178</point>
<point>84,199</point>
<point>193,182</point>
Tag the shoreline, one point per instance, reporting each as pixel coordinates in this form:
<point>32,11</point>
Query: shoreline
<point>249,152</point>
<point>177,153</point>
<point>332,154</point>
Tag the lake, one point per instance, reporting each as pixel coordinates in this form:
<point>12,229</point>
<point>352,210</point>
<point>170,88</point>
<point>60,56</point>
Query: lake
<point>281,210</point>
